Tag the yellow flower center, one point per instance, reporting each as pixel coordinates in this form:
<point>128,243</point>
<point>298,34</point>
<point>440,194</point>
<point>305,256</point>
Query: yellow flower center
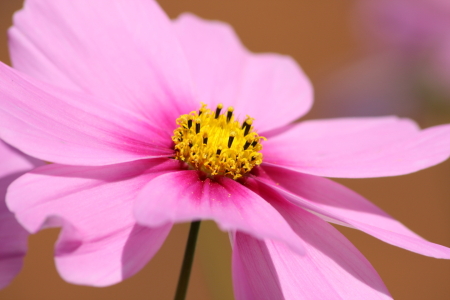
<point>216,143</point>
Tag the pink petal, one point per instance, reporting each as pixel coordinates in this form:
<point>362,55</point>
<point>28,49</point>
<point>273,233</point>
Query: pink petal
<point>338,204</point>
<point>123,52</point>
<point>13,238</point>
<point>358,147</point>
<point>332,268</point>
<point>66,127</point>
<point>184,196</point>
<point>269,87</point>
<point>101,244</point>
<point>13,162</point>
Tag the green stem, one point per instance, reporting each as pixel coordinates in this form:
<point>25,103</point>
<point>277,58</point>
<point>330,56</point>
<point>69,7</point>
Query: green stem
<point>185,273</point>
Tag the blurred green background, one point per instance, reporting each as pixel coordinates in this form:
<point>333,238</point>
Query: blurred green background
<point>318,34</point>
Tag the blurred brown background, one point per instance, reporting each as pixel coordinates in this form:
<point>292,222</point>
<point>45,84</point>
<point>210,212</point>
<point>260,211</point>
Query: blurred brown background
<point>318,35</point>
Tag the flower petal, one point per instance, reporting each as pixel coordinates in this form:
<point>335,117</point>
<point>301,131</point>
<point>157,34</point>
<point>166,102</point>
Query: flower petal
<point>184,196</point>
<point>332,268</point>
<point>338,204</point>
<point>359,147</point>
<point>13,237</point>
<point>67,127</point>
<point>123,52</point>
<point>100,244</point>
<point>269,87</point>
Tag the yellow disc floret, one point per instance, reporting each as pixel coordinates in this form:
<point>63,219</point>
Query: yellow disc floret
<point>216,143</point>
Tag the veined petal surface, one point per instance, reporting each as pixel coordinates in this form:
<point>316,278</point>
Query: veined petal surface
<point>58,125</point>
<point>268,87</point>
<point>183,197</point>
<point>358,147</point>
<point>338,204</point>
<point>123,52</point>
<point>100,244</point>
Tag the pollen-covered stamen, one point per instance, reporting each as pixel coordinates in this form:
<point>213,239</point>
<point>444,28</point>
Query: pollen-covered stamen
<point>247,126</point>
<point>218,109</point>
<point>231,139</point>
<point>216,143</point>
<point>247,144</point>
<point>197,125</point>
<point>229,113</point>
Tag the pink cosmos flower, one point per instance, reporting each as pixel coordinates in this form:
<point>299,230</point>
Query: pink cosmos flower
<point>412,25</point>
<point>13,238</point>
<point>405,68</point>
<point>418,31</point>
<point>111,93</point>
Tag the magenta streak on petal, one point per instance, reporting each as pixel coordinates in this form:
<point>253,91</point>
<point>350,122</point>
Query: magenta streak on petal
<point>184,196</point>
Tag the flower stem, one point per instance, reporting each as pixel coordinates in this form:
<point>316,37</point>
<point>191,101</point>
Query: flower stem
<point>185,272</point>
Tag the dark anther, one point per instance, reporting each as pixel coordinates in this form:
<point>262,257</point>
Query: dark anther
<point>189,124</point>
<point>255,142</point>
<point>218,109</point>
<point>253,158</point>
<point>219,151</point>
<point>247,127</point>
<point>190,144</point>
<point>247,144</point>
<point>230,141</point>
<point>197,127</point>
<point>229,113</point>
<point>205,140</point>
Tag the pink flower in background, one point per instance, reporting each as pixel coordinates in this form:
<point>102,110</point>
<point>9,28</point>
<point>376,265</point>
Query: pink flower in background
<point>411,25</point>
<point>405,67</point>
<point>418,30</point>
<point>111,93</point>
<point>13,238</point>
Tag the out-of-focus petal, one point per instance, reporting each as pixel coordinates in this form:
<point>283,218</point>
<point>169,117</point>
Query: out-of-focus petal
<point>269,87</point>
<point>332,268</point>
<point>71,128</point>
<point>376,85</point>
<point>13,237</point>
<point>184,196</point>
<point>358,147</point>
<point>124,52</point>
<point>100,244</point>
<point>13,245</point>
<point>341,205</point>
